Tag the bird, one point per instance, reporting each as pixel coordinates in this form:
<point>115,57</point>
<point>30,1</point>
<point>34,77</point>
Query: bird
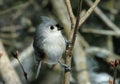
<point>49,44</point>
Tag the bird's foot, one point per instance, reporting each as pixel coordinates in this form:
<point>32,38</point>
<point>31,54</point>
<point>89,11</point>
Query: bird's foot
<point>68,43</point>
<point>66,67</point>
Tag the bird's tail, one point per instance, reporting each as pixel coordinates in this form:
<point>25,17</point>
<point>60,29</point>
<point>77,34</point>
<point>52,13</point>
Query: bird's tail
<point>38,70</point>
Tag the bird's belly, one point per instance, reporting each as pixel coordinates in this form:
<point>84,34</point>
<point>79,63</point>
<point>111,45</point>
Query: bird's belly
<point>54,53</point>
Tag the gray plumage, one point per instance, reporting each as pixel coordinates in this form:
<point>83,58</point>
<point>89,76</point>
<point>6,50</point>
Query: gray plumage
<point>49,44</point>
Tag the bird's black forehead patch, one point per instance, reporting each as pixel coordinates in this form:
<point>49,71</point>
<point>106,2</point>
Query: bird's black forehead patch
<point>57,25</point>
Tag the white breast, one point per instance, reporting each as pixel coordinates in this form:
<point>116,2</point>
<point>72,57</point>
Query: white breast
<point>54,46</point>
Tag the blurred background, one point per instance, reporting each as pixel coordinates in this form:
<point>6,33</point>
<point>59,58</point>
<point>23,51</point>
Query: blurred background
<point>98,41</point>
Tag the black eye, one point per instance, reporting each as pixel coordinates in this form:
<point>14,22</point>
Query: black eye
<point>51,27</point>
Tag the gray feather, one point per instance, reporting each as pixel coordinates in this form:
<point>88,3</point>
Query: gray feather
<point>47,20</point>
<point>38,70</point>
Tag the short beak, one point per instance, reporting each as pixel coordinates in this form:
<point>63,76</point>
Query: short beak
<point>60,28</point>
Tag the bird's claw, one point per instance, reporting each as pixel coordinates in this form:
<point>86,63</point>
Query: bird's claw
<point>66,67</point>
<point>68,42</point>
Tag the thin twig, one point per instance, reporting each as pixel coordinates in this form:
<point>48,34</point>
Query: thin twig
<point>87,14</point>
<point>100,31</point>
<point>110,81</point>
<point>24,72</point>
<point>69,8</point>
<point>15,55</point>
<point>68,54</point>
<point>114,64</point>
<point>77,23</point>
<point>114,75</point>
<point>74,32</point>
<point>72,40</point>
<point>62,14</point>
<point>105,19</point>
<point>25,54</point>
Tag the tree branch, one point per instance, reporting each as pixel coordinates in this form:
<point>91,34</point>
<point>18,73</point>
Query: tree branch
<point>105,19</point>
<point>77,23</point>
<point>69,8</point>
<point>72,38</point>
<point>7,72</point>
<point>25,54</point>
<point>74,32</point>
<point>87,14</point>
<point>62,13</point>
<point>100,31</point>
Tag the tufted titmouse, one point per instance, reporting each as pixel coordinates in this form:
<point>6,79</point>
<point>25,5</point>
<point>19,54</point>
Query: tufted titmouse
<point>49,44</point>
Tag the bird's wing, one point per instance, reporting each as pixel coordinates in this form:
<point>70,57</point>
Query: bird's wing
<point>39,52</point>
